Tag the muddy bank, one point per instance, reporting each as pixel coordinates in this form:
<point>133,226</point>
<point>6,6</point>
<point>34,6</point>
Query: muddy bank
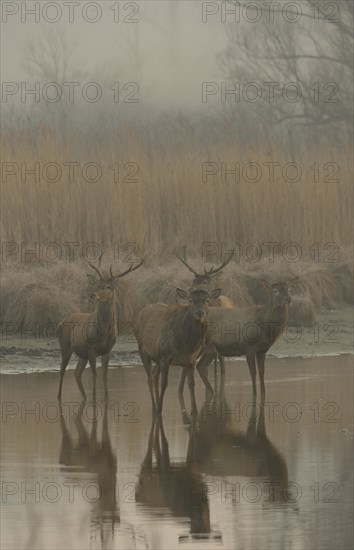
<point>331,334</point>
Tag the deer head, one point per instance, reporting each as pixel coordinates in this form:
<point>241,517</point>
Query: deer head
<point>105,286</point>
<point>198,300</point>
<point>279,292</point>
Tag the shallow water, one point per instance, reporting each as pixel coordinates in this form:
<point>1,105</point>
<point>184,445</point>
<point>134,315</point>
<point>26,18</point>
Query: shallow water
<point>124,481</point>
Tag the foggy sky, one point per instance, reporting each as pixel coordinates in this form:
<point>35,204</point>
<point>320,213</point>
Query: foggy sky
<point>178,51</point>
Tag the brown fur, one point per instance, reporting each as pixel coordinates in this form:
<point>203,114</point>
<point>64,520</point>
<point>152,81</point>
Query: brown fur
<point>90,335</point>
<point>172,335</point>
<point>246,331</point>
<point>204,281</point>
<point>223,301</point>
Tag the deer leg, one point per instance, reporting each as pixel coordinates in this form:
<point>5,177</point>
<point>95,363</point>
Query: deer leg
<point>66,443</point>
<point>222,365</point>
<point>185,415</point>
<point>165,455</point>
<point>251,428</point>
<point>93,447</point>
<point>156,376</point>
<point>251,360</point>
<point>221,392</point>
<point>105,361</point>
<point>215,371</point>
<point>92,360</point>
<point>202,365</point>
<point>147,365</point>
<point>191,444</point>
<point>64,363</point>
<point>260,363</point>
<point>261,429</point>
<point>182,381</point>
<point>84,440</point>
<point>164,381</point>
<point>190,375</point>
<point>81,364</point>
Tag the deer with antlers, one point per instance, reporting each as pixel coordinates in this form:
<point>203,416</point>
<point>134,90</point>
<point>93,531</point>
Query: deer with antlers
<point>90,335</point>
<point>204,280</point>
<point>173,335</point>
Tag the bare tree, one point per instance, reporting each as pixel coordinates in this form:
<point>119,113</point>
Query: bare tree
<point>51,59</point>
<point>315,53</point>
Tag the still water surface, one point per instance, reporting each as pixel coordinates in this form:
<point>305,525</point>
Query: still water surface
<point>244,477</point>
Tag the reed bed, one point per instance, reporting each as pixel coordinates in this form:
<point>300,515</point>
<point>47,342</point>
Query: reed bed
<point>169,204</point>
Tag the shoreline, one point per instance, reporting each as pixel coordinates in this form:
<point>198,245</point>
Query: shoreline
<point>330,336</point>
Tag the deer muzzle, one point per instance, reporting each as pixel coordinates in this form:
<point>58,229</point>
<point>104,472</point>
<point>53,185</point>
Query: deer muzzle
<point>200,314</point>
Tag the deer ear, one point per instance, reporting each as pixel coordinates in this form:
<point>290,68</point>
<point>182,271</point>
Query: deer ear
<point>92,280</point>
<point>215,293</point>
<point>265,284</point>
<point>292,283</point>
<point>182,293</point>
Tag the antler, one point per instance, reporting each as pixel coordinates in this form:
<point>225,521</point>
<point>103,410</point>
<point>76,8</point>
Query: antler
<point>99,265</point>
<point>129,270</point>
<point>211,272</point>
<point>184,261</point>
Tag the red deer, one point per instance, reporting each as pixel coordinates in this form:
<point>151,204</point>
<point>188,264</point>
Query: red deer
<point>204,280</point>
<point>90,335</point>
<point>247,331</point>
<point>173,335</point>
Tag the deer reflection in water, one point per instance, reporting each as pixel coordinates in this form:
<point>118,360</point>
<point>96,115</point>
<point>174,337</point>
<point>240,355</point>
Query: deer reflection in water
<point>177,486</point>
<point>221,450</point>
<point>88,456</point>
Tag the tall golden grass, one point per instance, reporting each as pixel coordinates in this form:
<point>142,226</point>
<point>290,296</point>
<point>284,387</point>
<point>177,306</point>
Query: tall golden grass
<point>169,205</point>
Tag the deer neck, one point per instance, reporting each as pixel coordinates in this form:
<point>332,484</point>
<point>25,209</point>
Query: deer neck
<point>105,314</point>
<point>275,316</point>
<point>194,330</point>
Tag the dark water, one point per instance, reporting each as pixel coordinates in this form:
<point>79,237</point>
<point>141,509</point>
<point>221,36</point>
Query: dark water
<point>245,477</point>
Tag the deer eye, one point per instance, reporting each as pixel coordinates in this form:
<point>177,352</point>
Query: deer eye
<point>275,291</point>
<point>108,286</point>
